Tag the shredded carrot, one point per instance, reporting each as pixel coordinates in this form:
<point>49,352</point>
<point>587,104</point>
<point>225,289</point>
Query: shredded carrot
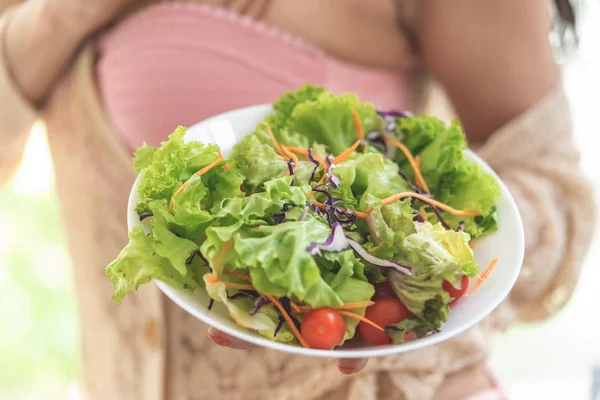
<point>472,244</point>
<point>289,321</point>
<point>275,143</point>
<point>238,275</point>
<point>239,286</point>
<point>411,160</point>
<point>359,214</point>
<point>246,278</point>
<point>347,153</point>
<point>304,152</point>
<point>224,166</point>
<point>212,278</point>
<point>199,173</point>
<point>423,214</point>
<point>297,150</point>
<point>294,307</point>
<point>360,132</point>
<point>358,304</point>
<point>209,167</point>
<point>482,277</point>
<point>347,306</point>
<point>224,251</point>
<point>318,183</point>
<point>289,154</point>
<point>361,318</point>
<point>237,321</point>
<point>436,203</point>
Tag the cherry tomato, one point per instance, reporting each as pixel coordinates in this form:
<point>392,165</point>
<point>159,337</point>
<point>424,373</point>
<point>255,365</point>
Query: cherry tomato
<point>384,312</point>
<point>323,328</point>
<point>384,290</point>
<point>454,293</point>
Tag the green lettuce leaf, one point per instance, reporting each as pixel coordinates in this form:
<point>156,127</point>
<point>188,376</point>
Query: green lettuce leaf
<point>471,188</point>
<point>422,295</point>
<point>285,105</point>
<point>157,256</point>
<point>165,169</point>
<point>412,324</point>
<point>447,251</point>
<point>328,120</point>
<point>280,265</point>
<point>436,255</point>
<point>257,161</point>
<point>452,177</point>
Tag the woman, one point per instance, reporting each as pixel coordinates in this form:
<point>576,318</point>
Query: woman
<point>107,75</point>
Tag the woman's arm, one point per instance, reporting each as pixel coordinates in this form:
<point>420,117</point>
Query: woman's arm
<point>493,58</point>
<point>38,39</point>
<point>41,38</point>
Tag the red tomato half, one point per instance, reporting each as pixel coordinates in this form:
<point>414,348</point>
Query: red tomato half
<point>454,293</point>
<point>323,328</point>
<point>384,312</point>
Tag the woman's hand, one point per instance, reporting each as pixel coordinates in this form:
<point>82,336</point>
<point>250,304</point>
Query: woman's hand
<point>84,16</point>
<point>347,366</point>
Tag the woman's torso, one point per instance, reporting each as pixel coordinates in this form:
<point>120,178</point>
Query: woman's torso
<point>148,348</point>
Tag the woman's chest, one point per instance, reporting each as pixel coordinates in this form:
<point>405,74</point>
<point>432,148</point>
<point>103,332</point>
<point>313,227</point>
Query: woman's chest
<point>179,63</point>
<point>363,32</point>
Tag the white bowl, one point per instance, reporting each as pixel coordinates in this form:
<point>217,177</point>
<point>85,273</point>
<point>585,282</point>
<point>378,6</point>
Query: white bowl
<point>507,244</point>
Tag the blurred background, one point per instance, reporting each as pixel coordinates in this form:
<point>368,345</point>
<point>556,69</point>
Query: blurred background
<point>559,359</point>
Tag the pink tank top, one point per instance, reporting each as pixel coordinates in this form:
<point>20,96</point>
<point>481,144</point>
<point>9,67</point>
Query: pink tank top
<point>179,63</point>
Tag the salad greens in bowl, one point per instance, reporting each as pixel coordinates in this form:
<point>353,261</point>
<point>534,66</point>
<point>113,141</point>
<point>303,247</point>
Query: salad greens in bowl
<point>321,221</point>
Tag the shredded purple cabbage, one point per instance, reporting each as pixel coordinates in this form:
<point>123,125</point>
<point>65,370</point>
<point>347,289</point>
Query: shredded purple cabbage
<point>145,215</point>
<point>197,253</point>
<point>376,139</point>
<point>418,218</point>
<point>438,214</point>
<point>336,209</point>
<point>314,161</point>
<point>333,180</point>
<point>303,215</point>
<point>394,113</point>
<point>390,116</point>
<point>380,262</point>
<point>414,187</point>
<point>279,217</point>
<point>461,226</point>
<point>259,303</point>
<point>243,293</point>
<point>338,241</point>
<point>291,165</point>
<point>335,243</point>
<point>287,306</point>
<point>211,303</point>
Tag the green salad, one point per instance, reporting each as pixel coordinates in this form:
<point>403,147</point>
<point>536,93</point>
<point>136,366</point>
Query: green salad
<point>331,216</point>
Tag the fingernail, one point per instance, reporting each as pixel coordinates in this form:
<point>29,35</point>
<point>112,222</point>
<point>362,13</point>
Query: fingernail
<point>220,341</point>
<point>347,371</point>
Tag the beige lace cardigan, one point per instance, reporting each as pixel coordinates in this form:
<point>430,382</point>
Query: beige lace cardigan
<point>149,349</point>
